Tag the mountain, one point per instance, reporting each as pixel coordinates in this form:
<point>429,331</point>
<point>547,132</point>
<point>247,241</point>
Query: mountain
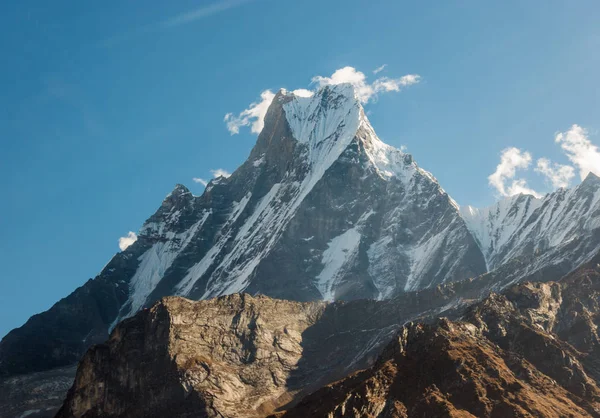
<point>322,210</point>
<point>531,351</point>
<point>558,232</point>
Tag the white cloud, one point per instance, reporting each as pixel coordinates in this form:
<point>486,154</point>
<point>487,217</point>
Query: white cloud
<point>503,179</point>
<point>379,69</point>
<point>559,175</point>
<point>580,150</point>
<point>174,22</point>
<point>126,241</point>
<point>254,116</point>
<point>519,186</point>
<point>364,90</point>
<point>200,181</point>
<point>575,144</point>
<point>342,75</point>
<point>303,92</point>
<point>219,172</point>
<point>202,12</point>
<point>391,84</point>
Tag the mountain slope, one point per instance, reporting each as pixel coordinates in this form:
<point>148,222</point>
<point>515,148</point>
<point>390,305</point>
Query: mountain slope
<point>309,202</point>
<point>322,199</point>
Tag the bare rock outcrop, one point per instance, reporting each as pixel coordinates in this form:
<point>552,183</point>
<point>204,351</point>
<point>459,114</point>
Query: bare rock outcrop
<point>229,356</point>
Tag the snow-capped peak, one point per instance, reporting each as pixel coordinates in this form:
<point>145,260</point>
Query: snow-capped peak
<point>330,119</point>
<point>495,225</point>
<point>326,121</point>
<point>545,228</point>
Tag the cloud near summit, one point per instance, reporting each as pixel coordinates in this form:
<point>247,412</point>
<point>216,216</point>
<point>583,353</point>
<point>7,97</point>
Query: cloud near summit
<point>254,115</point>
<point>217,172</point>
<point>366,91</point>
<point>127,240</point>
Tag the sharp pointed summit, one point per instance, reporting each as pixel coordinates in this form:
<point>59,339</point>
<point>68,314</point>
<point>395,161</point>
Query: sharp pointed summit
<point>592,179</point>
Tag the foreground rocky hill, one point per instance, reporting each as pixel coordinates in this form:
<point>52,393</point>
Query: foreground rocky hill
<point>532,350</point>
<point>235,355</point>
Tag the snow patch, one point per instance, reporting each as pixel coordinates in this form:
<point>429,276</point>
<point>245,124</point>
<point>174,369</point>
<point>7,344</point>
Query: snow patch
<point>423,255</point>
<point>238,207</point>
<point>494,226</point>
<point>259,161</point>
<point>382,269</point>
<point>340,251</point>
<point>30,412</point>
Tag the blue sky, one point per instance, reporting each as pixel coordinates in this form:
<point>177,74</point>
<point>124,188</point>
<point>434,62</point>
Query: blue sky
<point>105,106</point>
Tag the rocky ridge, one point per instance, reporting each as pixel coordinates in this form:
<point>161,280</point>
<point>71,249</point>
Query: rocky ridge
<point>559,231</point>
<point>531,351</point>
<point>235,355</point>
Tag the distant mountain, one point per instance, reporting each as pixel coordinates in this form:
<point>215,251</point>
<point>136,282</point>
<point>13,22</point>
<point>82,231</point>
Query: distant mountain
<point>558,232</point>
<point>321,210</point>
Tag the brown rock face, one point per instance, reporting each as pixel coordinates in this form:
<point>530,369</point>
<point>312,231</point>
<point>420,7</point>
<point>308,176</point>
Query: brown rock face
<point>230,356</point>
<point>532,351</point>
<point>447,370</point>
<point>234,356</point>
